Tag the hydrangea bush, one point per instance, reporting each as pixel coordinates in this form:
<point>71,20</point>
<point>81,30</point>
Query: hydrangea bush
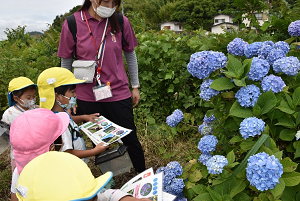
<point>249,138</point>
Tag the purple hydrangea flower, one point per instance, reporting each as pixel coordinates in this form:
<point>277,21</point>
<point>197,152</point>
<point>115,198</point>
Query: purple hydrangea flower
<point>216,163</point>
<point>284,46</point>
<point>206,92</point>
<point>287,65</point>
<point>269,42</point>
<point>207,143</point>
<point>209,120</point>
<point>263,171</point>
<point>294,28</point>
<point>175,118</point>
<point>202,64</point>
<point>252,49</point>
<point>272,82</point>
<point>259,68</point>
<point>204,158</point>
<point>160,169</point>
<point>251,126</point>
<point>264,50</point>
<point>175,188</point>
<point>175,167</point>
<point>274,55</point>
<point>247,96</point>
<point>237,47</point>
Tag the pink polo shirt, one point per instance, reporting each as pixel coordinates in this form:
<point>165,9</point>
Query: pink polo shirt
<point>113,69</point>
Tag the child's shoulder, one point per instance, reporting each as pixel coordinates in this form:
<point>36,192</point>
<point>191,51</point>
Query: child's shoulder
<point>10,114</point>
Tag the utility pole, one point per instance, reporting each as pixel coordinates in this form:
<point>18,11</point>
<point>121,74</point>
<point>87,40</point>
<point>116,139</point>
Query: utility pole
<point>122,7</point>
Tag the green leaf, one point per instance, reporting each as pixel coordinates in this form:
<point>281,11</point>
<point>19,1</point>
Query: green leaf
<point>247,66</point>
<point>297,154</point>
<point>247,145</point>
<point>214,195</point>
<point>296,97</point>
<point>287,134</point>
<point>289,100</point>
<point>291,178</point>
<point>200,188</point>
<point>297,118</point>
<point>240,83</point>
<point>286,121</point>
<point>242,196</point>
<point>231,124</point>
<point>236,139</point>
<point>238,188</point>
<point>265,26</point>
<point>254,149</point>
<point>278,190</point>
<point>238,111</point>
<point>203,196</point>
<point>230,157</point>
<point>195,176</point>
<point>222,83</point>
<point>228,94</point>
<point>266,101</point>
<point>288,165</point>
<point>234,66</point>
<point>151,120</point>
<point>284,107</point>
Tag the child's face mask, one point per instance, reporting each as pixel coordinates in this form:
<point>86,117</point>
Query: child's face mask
<point>71,104</point>
<point>30,104</point>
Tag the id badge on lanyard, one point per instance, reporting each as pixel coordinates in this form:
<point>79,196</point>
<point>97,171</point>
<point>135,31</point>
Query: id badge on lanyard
<point>102,91</point>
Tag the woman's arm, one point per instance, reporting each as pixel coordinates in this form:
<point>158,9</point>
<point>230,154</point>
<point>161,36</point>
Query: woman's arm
<point>67,63</point>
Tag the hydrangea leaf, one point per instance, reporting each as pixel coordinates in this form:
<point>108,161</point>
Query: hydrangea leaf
<point>288,165</point>
<point>230,157</point>
<point>265,26</point>
<point>291,178</point>
<point>228,95</point>
<point>289,100</point>
<point>203,196</point>
<point>231,124</point>
<point>238,111</point>
<point>289,193</point>
<point>241,185</point>
<point>189,184</point>
<point>242,196</point>
<point>287,134</point>
<point>297,154</point>
<point>214,195</point>
<point>200,188</point>
<point>266,101</point>
<point>195,176</point>
<point>222,83</point>
<point>247,145</point>
<point>278,190</point>
<point>236,139</point>
<point>296,97</point>
<point>297,118</point>
<point>235,67</point>
<point>284,107</point>
<point>286,121</point>
<point>240,83</point>
<point>276,114</point>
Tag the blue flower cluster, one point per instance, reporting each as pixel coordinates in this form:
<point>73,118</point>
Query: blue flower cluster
<point>204,158</point>
<point>287,65</point>
<point>274,55</point>
<point>259,68</point>
<point>272,82</point>
<point>251,127</point>
<point>175,118</point>
<point>247,96</point>
<point>297,135</point>
<point>284,46</point>
<point>263,171</point>
<point>207,143</point>
<point>252,49</point>
<point>216,163</point>
<point>207,92</point>
<point>237,47</point>
<point>205,129</point>
<point>202,64</point>
<point>294,28</point>
<point>171,183</point>
<point>209,120</point>
<point>265,49</point>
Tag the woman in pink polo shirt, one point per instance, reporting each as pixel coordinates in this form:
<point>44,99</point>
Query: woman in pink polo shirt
<point>91,20</point>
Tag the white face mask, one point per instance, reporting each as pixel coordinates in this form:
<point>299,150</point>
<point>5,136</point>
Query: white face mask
<point>30,104</point>
<point>103,11</point>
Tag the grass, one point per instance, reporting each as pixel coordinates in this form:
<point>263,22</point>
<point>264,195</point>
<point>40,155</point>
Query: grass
<point>160,147</point>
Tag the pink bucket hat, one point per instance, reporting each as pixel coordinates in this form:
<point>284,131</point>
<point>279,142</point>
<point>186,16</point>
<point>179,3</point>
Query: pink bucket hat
<point>32,133</point>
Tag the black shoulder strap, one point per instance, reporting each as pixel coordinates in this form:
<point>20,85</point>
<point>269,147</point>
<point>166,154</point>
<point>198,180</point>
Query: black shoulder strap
<point>72,26</point>
<point>121,21</point>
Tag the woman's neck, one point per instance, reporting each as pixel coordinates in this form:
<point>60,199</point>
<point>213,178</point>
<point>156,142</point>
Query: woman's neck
<point>93,13</point>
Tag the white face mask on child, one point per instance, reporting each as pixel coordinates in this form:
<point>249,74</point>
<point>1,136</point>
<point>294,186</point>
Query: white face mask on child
<point>30,104</point>
<point>103,11</point>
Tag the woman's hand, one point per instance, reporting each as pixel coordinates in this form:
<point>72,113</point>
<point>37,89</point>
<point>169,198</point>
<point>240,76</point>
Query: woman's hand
<point>135,96</point>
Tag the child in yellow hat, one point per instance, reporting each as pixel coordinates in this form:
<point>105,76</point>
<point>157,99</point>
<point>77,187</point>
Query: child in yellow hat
<point>56,88</point>
<point>21,97</point>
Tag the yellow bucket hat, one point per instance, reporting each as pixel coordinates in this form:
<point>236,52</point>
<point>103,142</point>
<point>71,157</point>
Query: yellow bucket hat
<point>50,79</point>
<point>59,176</point>
<point>17,84</point>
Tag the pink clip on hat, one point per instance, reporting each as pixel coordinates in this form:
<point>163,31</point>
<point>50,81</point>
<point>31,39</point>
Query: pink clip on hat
<point>32,133</point>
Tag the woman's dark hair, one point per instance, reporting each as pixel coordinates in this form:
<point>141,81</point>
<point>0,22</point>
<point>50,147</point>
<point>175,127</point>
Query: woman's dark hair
<point>114,24</point>
<point>63,89</point>
<point>20,92</point>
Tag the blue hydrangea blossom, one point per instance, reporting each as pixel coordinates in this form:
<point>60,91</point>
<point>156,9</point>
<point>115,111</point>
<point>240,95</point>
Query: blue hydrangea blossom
<point>206,91</point>
<point>264,50</point>
<point>202,64</point>
<point>287,65</point>
<point>205,129</point>
<point>175,167</point>
<point>203,158</point>
<point>207,143</point>
<point>237,47</point>
<point>294,28</point>
<point>175,118</point>
<point>297,135</point>
<point>259,68</point>
<point>252,49</point>
<point>284,46</point>
<point>274,55</point>
<point>272,82</point>
<point>209,120</point>
<point>263,171</point>
<point>175,188</point>
<point>251,127</point>
<point>247,96</point>
<point>216,164</point>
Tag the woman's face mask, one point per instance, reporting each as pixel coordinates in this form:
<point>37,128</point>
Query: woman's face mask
<point>71,104</point>
<point>30,104</point>
<point>104,12</point>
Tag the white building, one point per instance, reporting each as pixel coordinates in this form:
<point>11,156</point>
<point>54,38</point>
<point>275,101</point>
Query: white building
<point>222,23</point>
<point>261,18</point>
<point>174,26</point>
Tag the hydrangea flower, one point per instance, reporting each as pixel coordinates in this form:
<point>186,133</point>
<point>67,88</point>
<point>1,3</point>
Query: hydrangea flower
<point>284,46</point>
<point>247,96</point>
<point>205,129</point>
<point>159,170</point>
<point>274,55</point>
<point>264,51</point>
<point>175,118</point>
<point>259,68</point>
<point>263,171</point>
<point>206,91</point>
<point>294,28</point>
<point>175,188</point>
<point>252,49</point>
<point>216,163</point>
<point>175,167</point>
<point>297,135</point>
<point>168,177</point>
<point>204,158</point>
<point>202,64</point>
<point>237,47</point>
<point>269,42</point>
<point>287,65</point>
<point>272,82</point>
<point>207,143</point>
<point>209,120</point>
<point>251,126</point>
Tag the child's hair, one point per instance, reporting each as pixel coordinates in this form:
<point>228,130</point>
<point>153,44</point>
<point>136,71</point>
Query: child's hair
<point>20,92</point>
<point>63,89</point>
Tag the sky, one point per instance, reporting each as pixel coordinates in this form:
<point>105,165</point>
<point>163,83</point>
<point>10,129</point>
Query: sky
<point>35,14</point>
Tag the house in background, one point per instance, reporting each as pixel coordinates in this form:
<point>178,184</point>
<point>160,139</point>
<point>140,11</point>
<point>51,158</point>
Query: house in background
<point>222,23</point>
<point>174,26</point>
<point>261,18</point>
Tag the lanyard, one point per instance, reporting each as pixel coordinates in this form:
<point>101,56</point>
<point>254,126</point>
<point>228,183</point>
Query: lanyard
<point>100,52</point>
<point>19,108</point>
